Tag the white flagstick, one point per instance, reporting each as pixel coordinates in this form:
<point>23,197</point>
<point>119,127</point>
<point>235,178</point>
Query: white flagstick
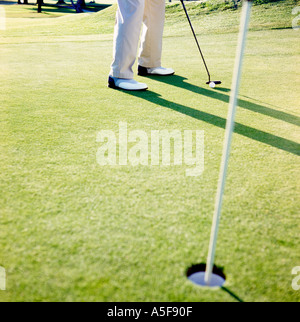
<point>228,136</point>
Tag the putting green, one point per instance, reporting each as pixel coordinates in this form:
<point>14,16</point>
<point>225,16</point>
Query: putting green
<point>71,230</point>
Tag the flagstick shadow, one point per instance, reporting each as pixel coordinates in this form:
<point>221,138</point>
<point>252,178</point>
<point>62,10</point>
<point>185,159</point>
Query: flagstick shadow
<point>227,290</point>
<point>249,132</point>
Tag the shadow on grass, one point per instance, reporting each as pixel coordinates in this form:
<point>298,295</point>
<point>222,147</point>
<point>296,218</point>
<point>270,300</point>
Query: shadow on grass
<point>179,81</point>
<point>227,290</point>
<point>54,9</point>
<point>49,8</point>
<point>2,3</point>
<point>247,131</point>
<point>89,6</point>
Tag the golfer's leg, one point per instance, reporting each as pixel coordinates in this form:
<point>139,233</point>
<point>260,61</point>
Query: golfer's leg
<point>127,31</point>
<point>153,27</point>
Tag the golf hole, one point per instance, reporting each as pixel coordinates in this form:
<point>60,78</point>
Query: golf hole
<point>196,274</point>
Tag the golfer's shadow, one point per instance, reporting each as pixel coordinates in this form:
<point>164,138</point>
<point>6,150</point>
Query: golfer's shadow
<point>244,130</point>
<point>180,81</point>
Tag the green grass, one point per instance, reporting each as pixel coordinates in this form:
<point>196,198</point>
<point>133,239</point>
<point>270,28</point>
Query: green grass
<point>71,230</point>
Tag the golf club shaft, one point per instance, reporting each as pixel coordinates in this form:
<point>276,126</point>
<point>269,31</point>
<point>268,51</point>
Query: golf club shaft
<point>228,136</point>
<point>193,31</point>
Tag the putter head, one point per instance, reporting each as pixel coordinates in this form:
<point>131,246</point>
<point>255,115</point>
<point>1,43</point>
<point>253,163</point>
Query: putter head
<point>216,82</point>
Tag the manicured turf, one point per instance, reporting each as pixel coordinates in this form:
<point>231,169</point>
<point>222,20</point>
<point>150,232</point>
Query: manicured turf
<point>71,230</point>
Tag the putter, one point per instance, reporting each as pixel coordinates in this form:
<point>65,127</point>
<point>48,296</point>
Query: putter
<point>210,82</point>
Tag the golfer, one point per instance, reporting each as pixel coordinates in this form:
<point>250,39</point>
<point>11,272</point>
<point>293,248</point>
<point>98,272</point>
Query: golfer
<point>131,15</point>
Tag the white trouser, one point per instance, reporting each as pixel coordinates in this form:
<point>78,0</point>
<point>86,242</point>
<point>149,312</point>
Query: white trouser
<point>131,15</point>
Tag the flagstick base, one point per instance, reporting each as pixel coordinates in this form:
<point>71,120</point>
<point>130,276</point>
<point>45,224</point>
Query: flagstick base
<point>198,278</point>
